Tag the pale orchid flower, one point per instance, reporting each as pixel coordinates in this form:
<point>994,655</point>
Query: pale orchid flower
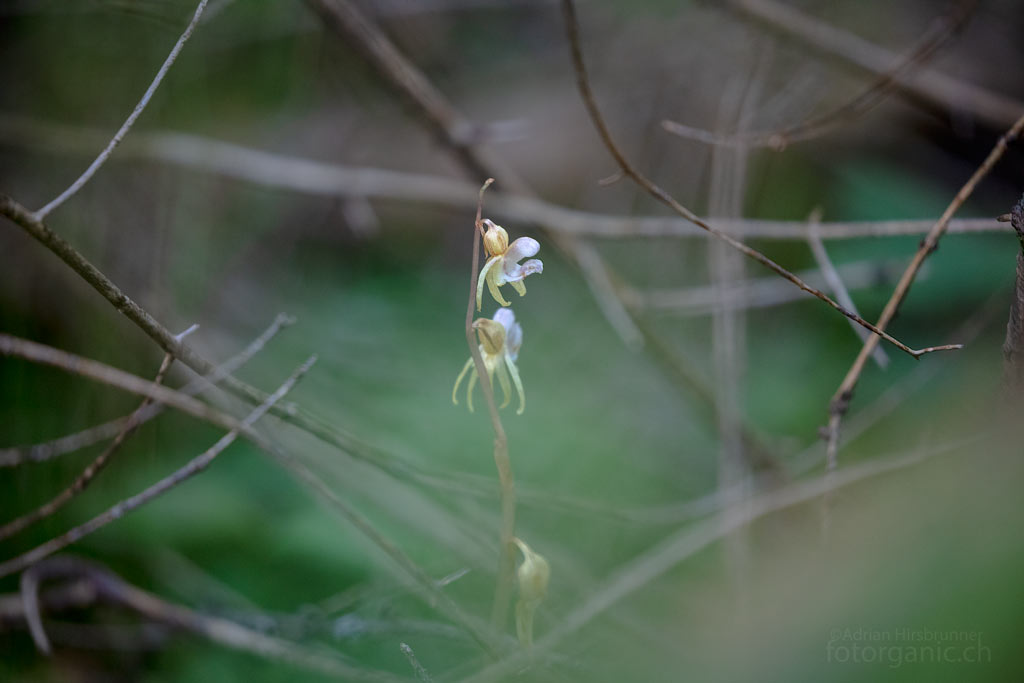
<point>503,265</point>
<point>500,340</point>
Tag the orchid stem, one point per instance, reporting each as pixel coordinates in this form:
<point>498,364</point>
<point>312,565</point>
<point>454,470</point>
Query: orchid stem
<point>506,549</point>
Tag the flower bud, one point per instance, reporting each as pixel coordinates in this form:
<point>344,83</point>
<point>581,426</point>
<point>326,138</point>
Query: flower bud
<point>495,239</point>
<point>532,575</point>
<point>491,334</point>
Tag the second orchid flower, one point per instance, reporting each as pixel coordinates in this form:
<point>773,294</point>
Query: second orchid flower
<point>500,340</point>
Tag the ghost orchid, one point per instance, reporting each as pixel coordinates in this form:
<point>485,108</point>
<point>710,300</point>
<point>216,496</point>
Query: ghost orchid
<point>500,340</point>
<point>503,262</point>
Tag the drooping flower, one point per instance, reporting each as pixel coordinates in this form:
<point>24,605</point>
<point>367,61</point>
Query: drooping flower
<point>500,340</point>
<point>503,263</point>
<point>532,576</point>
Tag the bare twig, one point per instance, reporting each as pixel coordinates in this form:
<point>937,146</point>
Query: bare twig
<point>86,583</point>
<point>318,178</point>
<point>95,165</point>
<point>572,30</point>
<point>758,292</point>
<point>47,355</point>
<point>726,189</point>
<point>937,34</point>
<point>835,282</point>
<point>193,467</point>
<point>321,429</point>
<point>1013,346</point>
<point>89,473</point>
<point>10,457</point>
<point>927,85</point>
<point>425,586</point>
<point>841,399</point>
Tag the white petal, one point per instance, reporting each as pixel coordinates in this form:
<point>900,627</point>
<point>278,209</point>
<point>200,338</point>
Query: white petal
<point>524,247</point>
<point>513,272</point>
<point>514,340</point>
<point>507,318</point>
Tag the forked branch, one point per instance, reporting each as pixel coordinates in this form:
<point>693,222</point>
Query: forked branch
<point>193,467</point>
<point>627,168</point>
<point>840,402</point>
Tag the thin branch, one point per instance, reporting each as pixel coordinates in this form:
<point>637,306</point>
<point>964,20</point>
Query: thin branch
<point>85,584</point>
<point>835,283</point>
<point>40,452</point>
<point>841,399</point>
<point>346,19</point>
<point>89,473</point>
<point>44,354</point>
<point>290,413</point>
<point>193,467</point>
<point>937,34</point>
<point>758,292</point>
<point>932,87</point>
<point>425,586</point>
<point>95,165</point>
<point>572,30</point>
<point>100,372</point>
<point>318,178</point>
<point>686,543</point>
<point>1013,345</point>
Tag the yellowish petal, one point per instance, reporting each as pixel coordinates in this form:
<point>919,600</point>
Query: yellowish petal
<point>519,286</point>
<point>469,390</point>
<point>491,262</point>
<point>493,285</point>
<point>518,382</point>
<point>506,386</point>
<point>458,380</point>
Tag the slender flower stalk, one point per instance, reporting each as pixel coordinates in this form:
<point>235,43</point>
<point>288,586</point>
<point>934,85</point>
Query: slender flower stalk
<point>506,559</point>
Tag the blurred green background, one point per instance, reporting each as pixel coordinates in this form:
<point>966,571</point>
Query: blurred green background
<point>612,444</point>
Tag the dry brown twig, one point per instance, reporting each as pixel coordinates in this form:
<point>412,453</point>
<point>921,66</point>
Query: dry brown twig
<point>760,292</point>
<point>934,88</point>
<point>193,467</point>
<point>323,430</point>
<point>572,31</point>
<point>84,584</point>
<point>937,34</point>
<point>835,282</point>
<point>40,452</point>
<point>840,402</point>
<point>39,353</point>
<point>1013,345</point>
<point>126,126</point>
<point>83,480</point>
<point>317,178</point>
